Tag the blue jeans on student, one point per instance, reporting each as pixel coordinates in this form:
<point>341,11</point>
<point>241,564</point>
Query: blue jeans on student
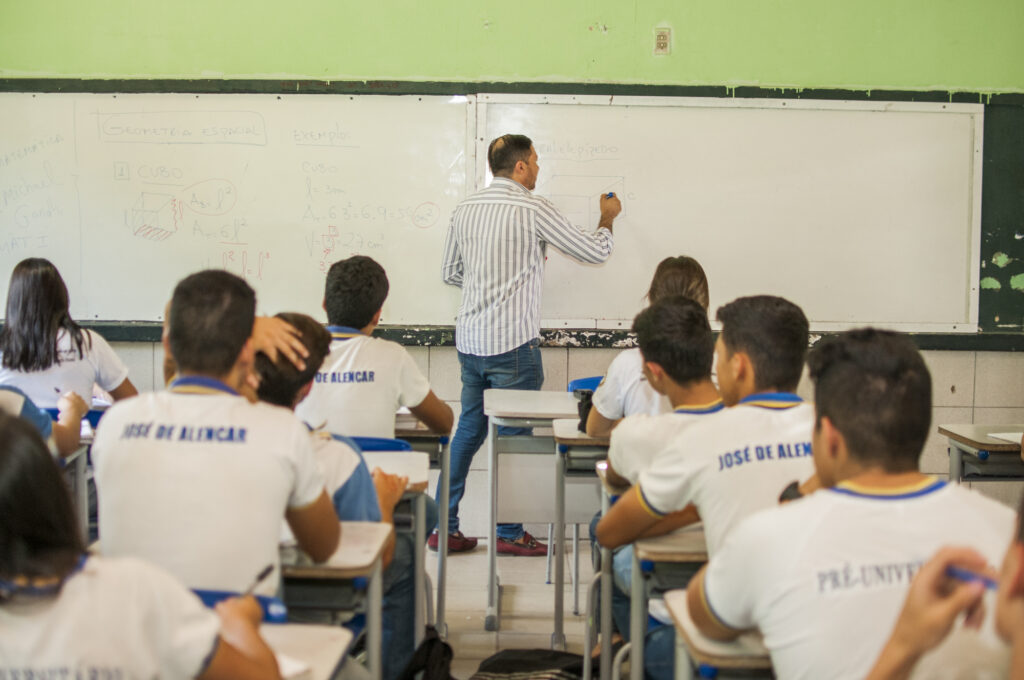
<point>517,369</point>
<point>398,629</point>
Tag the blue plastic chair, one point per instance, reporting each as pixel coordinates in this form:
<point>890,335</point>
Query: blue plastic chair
<point>380,444</point>
<point>274,610</point>
<point>93,415</point>
<point>590,383</point>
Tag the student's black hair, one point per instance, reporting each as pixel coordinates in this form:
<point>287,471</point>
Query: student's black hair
<point>280,381</point>
<point>39,537</point>
<point>680,275</point>
<point>674,333</point>
<point>356,288</point>
<point>505,151</point>
<point>773,332</point>
<point>875,388</point>
<point>37,310</point>
<point>212,315</point>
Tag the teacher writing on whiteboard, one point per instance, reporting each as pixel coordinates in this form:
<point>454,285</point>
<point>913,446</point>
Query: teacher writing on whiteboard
<point>495,252</point>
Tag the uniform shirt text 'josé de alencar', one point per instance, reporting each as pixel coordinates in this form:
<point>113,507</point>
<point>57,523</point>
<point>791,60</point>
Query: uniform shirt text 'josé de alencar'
<point>495,252</point>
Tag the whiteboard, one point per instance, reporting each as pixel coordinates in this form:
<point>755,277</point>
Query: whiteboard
<point>127,194</point>
<point>860,212</point>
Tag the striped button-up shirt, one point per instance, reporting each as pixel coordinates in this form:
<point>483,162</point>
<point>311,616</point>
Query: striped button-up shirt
<point>495,252</point>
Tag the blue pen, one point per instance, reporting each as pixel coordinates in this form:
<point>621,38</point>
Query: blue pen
<point>609,194</point>
<point>969,576</point>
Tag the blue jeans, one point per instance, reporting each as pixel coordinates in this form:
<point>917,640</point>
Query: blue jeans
<point>517,369</point>
<point>398,631</point>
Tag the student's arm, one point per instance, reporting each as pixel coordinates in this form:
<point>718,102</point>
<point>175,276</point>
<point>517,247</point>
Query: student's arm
<point>434,413</point>
<point>933,604</point>
<point>67,430</point>
<point>613,477</point>
<point>241,652</point>
<point>123,391</point>
<point>627,520</point>
<point>390,489</point>
<point>672,521</point>
<point>316,527</point>
<point>598,425</point>
<point>706,622</point>
<point>271,335</point>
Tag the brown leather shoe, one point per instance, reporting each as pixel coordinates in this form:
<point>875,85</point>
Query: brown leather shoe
<point>457,542</point>
<point>527,546</point>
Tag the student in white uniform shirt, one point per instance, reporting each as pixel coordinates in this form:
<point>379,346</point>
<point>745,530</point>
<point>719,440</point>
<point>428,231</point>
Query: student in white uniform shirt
<point>44,352</point>
<point>735,462</point>
<point>196,479</point>
<point>357,494</point>
<point>365,380</point>
<point>64,613</point>
<point>823,578</point>
<point>624,391</point>
<point>63,436</point>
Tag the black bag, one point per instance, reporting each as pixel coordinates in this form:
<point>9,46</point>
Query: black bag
<point>433,657</point>
<point>530,664</point>
<point>585,399</point>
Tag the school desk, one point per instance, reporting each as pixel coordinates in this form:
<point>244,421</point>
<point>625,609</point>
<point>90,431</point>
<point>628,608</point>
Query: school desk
<point>329,585</point>
<point>609,494</point>
<point>976,456</point>
<point>516,408</point>
<point>746,653</point>
<point>575,453</point>
<point>322,649</point>
<point>409,428</point>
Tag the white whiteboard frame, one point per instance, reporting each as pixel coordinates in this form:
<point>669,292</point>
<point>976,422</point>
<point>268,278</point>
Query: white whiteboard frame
<point>976,111</point>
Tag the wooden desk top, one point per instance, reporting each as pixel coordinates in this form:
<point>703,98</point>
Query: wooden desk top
<point>360,546</point>
<point>747,651</point>
<point>976,436</point>
<point>567,432</point>
<point>683,545</point>
<point>602,473</point>
<point>529,404</point>
<point>412,464</point>
<point>319,647</point>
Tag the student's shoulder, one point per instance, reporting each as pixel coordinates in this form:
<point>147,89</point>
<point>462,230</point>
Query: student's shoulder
<point>973,501</point>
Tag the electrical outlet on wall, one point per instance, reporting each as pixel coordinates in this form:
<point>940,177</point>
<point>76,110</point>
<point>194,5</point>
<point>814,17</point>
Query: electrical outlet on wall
<point>662,41</point>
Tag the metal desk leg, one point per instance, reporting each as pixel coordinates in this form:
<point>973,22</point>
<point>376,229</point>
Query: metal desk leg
<point>606,599</point>
<point>373,621</point>
<point>955,462</point>
<point>558,637</point>
<point>637,621</point>
<point>684,669</point>
<point>81,463</point>
<point>419,515</point>
<point>491,619</point>
<point>442,537</point>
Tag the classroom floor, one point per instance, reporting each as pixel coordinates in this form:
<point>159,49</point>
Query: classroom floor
<point>527,604</point>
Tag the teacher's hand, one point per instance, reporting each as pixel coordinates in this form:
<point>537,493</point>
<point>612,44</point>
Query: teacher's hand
<point>610,206</point>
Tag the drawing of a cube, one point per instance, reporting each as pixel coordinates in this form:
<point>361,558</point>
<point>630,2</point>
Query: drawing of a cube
<point>154,216</point>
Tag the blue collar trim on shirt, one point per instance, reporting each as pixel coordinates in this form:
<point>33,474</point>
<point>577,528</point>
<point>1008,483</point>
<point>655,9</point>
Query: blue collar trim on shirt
<point>922,488</point>
<point>774,400</point>
<point>197,384</point>
<point>8,588</point>
<point>703,409</point>
<point>344,332</point>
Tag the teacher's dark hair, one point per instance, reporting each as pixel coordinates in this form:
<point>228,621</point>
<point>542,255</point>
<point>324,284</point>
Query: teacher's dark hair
<point>773,332</point>
<point>212,315</point>
<point>675,334</point>
<point>37,310</point>
<point>355,290</point>
<point>281,381</point>
<point>680,275</point>
<point>507,150</point>
<point>874,387</point>
<point>39,537</point>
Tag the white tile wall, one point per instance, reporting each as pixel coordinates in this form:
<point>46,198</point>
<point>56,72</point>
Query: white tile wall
<point>935,457</point>
<point>952,377</point>
<point>138,357</point>
<point>1000,379</point>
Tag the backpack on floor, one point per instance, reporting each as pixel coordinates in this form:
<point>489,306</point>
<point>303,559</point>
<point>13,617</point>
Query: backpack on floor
<point>530,664</point>
<point>433,657</point>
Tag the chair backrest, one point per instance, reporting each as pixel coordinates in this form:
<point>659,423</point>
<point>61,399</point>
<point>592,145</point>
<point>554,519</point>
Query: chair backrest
<point>585,383</point>
<point>380,444</point>
<point>274,610</point>
<point>93,415</point>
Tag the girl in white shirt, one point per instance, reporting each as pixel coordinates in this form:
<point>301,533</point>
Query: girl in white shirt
<point>44,352</point>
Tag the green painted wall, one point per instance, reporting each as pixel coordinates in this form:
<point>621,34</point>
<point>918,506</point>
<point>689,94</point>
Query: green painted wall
<point>955,45</point>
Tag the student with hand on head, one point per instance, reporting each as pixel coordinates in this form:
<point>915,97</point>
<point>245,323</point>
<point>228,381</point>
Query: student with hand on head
<point>63,436</point>
<point>43,352</point>
<point>65,613</point>
<point>357,494</point>
<point>625,391</point>
<point>196,479</point>
<point>365,380</point>
<point>737,461</point>
<point>823,577</point>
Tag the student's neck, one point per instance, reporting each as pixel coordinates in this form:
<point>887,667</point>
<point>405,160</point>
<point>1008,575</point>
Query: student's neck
<point>368,329</point>
<point>879,477</point>
<point>232,379</point>
<point>696,393</point>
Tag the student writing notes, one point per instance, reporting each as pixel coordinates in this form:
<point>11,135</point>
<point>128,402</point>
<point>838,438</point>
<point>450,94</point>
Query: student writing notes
<point>197,479</point>
<point>66,614</point>
<point>823,577</point>
<point>365,380</point>
<point>44,352</point>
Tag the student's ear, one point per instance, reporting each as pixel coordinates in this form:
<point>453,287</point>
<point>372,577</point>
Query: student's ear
<point>247,357</point>
<point>303,392</point>
<point>324,304</point>
<point>655,375</point>
<point>742,368</point>
<point>376,317</point>
<point>833,443</point>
